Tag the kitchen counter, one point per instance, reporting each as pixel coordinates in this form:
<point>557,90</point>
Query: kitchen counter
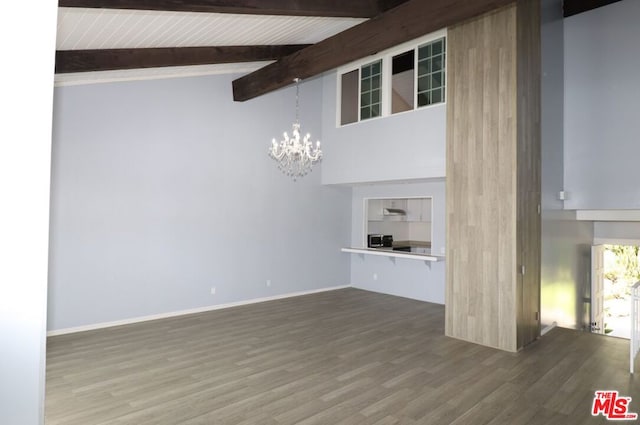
<point>413,244</point>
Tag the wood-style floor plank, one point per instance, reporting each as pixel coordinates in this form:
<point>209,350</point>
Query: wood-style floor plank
<point>345,357</point>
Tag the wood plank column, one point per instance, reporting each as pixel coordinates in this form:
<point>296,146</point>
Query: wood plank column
<point>493,178</point>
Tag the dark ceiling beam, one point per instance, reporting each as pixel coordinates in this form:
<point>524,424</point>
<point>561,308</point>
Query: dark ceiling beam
<point>398,25</point>
<point>334,8</point>
<point>112,59</point>
<point>573,7</point>
<point>384,5</point>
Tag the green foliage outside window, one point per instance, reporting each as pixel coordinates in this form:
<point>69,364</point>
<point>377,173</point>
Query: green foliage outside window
<point>622,264</point>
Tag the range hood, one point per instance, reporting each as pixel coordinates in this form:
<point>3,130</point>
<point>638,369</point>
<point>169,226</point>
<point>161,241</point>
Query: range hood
<point>393,211</point>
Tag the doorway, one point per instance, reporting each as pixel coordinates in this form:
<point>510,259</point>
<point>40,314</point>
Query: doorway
<point>615,268</point>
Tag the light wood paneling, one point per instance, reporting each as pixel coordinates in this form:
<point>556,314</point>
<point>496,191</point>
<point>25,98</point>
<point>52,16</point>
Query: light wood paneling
<point>493,178</point>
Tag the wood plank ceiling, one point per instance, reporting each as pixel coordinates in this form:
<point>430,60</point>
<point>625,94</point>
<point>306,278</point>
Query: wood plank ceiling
<point>107,40</point>
<point>87,36</point>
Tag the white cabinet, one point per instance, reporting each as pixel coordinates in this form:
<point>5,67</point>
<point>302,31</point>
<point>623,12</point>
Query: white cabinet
<point>374,209</point>
<point>414,209</point>
<point>426,209</point>
<point>419,209</point>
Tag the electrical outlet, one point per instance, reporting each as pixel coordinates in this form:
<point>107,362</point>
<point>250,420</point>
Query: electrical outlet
<point>375,276</point>
<point>268,282</point>
<point>213,290</point>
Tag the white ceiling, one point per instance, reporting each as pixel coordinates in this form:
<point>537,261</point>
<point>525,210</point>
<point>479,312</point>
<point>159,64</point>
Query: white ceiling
<point>80,28</point>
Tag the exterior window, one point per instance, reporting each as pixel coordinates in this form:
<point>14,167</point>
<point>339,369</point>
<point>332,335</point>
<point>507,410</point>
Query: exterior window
<point>349,98</point>
<point>402,82</point>
<point>370,90</point>
<point>431,72</point>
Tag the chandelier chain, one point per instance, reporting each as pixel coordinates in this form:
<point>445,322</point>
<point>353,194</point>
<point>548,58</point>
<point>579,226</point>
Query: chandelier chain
<point>297,80</point>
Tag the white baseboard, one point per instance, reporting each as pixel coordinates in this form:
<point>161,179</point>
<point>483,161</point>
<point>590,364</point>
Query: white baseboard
<point>190,311</point>
<point>547,328</point>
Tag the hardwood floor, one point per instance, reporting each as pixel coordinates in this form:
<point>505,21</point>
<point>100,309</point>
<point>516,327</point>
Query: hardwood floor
<point>341,357</point>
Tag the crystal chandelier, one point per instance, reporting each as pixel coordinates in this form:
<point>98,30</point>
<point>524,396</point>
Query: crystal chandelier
<point>295,158</point>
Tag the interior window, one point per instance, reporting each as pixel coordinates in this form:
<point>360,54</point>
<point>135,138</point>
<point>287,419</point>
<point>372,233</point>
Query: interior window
<point>431,72</point>
<point>370,90</point>
<point>414,77</point>
<point>349,96</point>
<point>402,83</point>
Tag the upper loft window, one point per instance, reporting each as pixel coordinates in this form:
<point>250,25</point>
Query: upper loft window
<point>402,79</point>
<point>361,93</point>
<point>431,72</point>
<point>370,88</point>
<point>403,82</point>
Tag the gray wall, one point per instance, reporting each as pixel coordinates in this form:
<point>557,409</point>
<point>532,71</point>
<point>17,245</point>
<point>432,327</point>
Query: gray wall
<point>602,59</point>
<point>163,189</point>
<point>25,158</point>
<point>404,146</point>
<point>405,278</point>
<point>552,92</point>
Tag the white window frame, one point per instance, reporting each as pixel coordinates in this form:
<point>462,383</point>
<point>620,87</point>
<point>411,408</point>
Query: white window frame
<point>387,62</point>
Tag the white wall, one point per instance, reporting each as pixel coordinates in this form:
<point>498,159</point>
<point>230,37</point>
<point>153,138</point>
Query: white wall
<point>25,148</point>
<point>163,189</point>
<point>405,278</point>
<point>404,146</point>
<point>602,59</point>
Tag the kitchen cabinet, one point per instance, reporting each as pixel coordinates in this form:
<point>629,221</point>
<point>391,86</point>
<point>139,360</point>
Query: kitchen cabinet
<point>374,209</point>
<point>419,209</point>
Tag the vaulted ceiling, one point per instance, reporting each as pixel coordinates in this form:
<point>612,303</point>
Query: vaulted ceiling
<point>274,41</point>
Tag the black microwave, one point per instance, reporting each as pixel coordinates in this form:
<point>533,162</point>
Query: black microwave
<point>379,241</point>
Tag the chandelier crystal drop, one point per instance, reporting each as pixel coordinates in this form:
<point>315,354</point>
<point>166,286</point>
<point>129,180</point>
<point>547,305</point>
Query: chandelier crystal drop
<point>295,157</point>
